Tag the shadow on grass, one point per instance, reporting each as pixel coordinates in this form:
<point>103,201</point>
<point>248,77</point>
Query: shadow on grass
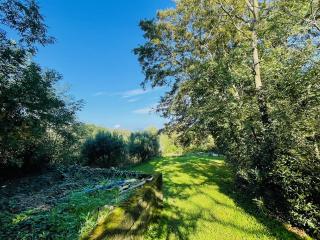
<point>184,214</point>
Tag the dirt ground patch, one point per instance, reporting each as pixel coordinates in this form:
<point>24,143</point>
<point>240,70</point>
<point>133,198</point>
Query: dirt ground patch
<point>45,190</point>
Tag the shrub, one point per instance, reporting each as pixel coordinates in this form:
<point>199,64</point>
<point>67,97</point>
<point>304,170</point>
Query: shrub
<point>298,180</point>
<point>143,146</point>
<point>37,152</point>
<point>105,150</point>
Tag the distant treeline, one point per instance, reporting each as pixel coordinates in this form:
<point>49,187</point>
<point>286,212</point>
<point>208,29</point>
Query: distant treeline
<point>117,147</point>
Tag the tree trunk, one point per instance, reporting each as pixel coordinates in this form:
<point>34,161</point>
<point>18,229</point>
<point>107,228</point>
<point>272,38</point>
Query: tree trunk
<point>254,7</point>
<point>256,60</point>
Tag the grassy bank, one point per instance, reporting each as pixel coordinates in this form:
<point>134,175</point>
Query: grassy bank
<point>200,203</point>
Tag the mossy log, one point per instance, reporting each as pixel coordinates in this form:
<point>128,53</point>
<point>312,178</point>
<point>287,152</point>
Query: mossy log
<point>130,219</point>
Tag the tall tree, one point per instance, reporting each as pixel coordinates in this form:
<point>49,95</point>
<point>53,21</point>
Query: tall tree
<point>247,73</point>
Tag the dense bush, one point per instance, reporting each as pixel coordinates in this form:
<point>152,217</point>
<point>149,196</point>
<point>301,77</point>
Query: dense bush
<point>118,148</point>
<point>143,146</point>
<point>34,120</point>
<point>106,149</point>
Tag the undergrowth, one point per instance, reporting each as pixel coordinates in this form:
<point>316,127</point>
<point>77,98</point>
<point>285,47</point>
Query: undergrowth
<point>72,218</point>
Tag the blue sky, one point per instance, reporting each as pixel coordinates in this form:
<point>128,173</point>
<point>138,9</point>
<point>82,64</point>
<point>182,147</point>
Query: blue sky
<point>94,54</point>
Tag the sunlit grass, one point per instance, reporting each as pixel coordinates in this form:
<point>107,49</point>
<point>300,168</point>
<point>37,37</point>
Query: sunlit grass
<point>200,203</point>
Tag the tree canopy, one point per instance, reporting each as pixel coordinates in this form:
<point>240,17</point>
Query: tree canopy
<point>247,73</point>
<point>34,116</point>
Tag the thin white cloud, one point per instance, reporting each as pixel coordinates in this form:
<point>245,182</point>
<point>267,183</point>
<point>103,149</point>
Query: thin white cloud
<point>146,110</point>
<point>99,94</point>
<point>128,93</point>
<point>133,100</point>
<point>117,126</point>
<point>134,92</point>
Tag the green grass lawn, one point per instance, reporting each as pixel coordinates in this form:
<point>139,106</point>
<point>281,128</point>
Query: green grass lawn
<point>200,203</point>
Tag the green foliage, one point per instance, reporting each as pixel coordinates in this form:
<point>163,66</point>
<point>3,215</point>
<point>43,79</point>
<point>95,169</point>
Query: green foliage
<point>143,146</point>
<point>105,150</point>
<point>118,147</point>
<point>37,123</point>
<point>203,50</point>
<point>36,120</point>
<point>168,146</point>
<point>24,20</point>
<point>90,130</point>
<point>173,144</point>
